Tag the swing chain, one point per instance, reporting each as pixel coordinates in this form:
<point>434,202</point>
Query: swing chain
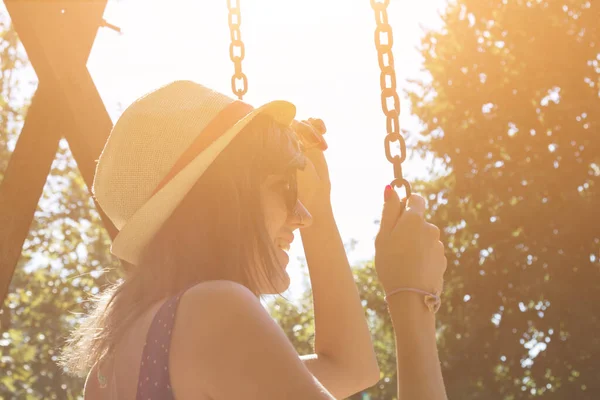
<point>383,43</point>
<point>237,51</point>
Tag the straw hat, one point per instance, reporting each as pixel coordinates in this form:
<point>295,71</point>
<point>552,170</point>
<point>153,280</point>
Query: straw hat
<point>157,150</point>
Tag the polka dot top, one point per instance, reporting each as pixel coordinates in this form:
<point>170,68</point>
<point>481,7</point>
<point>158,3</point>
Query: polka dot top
<point>154,382</point>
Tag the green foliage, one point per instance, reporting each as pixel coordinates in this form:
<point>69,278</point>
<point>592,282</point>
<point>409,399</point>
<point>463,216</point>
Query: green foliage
<point>512,110</point>
<point>63,261</point>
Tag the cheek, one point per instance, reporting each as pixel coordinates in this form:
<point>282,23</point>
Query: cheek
<point>276,213</point>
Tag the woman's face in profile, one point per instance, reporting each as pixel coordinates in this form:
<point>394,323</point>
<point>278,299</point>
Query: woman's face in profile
<point>281,221</point>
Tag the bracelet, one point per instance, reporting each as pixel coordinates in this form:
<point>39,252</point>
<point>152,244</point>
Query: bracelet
<point>432,300</point>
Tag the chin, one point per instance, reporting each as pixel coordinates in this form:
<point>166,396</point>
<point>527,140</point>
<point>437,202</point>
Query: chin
<point>280,284</point>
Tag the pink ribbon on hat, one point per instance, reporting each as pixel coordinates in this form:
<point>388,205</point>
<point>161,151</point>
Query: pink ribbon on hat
<point>220,124</point>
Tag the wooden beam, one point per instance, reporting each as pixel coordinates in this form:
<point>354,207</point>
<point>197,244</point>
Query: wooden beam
<point>58,37</point>
<point>87,130</point>
<point>24,180</point>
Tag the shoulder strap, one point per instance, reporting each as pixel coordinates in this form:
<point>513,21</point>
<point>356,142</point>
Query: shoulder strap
<point>154,381</point>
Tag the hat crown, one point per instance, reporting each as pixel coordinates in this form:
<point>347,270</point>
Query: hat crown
<point>147,140</point>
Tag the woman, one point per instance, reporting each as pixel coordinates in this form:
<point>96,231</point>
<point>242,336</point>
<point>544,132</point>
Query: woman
<point>206,193</point>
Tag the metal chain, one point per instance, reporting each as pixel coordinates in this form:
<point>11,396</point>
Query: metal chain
<point>383,43</point>
<point>239,80</point>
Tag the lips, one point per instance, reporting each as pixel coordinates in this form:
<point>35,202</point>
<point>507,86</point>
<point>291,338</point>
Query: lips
<point>284,246</point>
<point>284,243</point>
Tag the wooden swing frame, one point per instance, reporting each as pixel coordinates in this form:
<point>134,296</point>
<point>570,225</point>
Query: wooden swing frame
<point>66,104</point>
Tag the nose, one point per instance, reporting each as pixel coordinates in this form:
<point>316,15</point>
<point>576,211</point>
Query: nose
<point>301,217</point>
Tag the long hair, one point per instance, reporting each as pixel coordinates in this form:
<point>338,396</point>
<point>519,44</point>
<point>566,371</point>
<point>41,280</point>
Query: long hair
<point>218,231</point>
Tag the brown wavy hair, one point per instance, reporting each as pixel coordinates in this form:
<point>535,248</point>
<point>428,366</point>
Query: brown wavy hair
<point>217,232</point>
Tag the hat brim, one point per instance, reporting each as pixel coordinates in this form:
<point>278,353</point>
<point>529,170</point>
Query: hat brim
<point>143,225</point>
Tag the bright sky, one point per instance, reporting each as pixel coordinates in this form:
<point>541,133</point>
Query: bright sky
<point>319,54</point>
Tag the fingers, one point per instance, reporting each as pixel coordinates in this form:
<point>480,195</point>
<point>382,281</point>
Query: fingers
<point>318,125</point>
<point>432,231</point>
<point>310,133</point>
<point>392,209</point>
<point>409,215</point>
<point>405,235</point>
<point>417,204</point>
<point>412,218</point>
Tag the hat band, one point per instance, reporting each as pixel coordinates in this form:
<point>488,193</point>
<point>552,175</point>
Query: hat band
<point>220,124</point>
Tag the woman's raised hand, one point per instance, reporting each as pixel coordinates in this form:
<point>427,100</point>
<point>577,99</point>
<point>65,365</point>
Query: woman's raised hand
<point>408,252</point>
<point>314,186</point>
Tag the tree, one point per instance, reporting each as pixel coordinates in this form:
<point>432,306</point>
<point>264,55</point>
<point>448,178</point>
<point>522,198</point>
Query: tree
<point>512,113</point>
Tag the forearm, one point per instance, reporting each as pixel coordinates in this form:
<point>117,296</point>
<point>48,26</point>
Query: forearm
<point>418,364</point>
<point>341,330</point>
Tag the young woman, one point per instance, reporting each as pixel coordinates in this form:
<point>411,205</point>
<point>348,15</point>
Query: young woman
<point>206,193</point>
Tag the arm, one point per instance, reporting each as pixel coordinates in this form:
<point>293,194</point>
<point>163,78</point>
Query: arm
<point>408,254</point>
<point>344,362</point>
<point>418,365</point>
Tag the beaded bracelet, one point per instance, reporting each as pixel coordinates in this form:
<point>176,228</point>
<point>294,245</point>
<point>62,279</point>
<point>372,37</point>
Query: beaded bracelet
<point>432,300</point>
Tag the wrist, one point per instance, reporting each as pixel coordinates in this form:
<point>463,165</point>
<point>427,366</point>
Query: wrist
<point>432,300</point>
<point>409,307</point>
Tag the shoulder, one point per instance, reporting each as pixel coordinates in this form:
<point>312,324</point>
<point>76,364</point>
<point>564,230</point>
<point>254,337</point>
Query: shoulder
<point>218,310</point>
<point>218,289</point>
<point>211,315</point>
<point>226,345</point>
<point>214,300</point>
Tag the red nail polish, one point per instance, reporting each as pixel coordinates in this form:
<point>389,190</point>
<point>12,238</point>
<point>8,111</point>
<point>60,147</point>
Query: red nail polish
<point>387,192</point>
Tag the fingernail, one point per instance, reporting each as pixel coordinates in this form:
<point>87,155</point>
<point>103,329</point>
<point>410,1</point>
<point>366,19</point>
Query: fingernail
<point>387,192</point>
<point>323,143</point>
